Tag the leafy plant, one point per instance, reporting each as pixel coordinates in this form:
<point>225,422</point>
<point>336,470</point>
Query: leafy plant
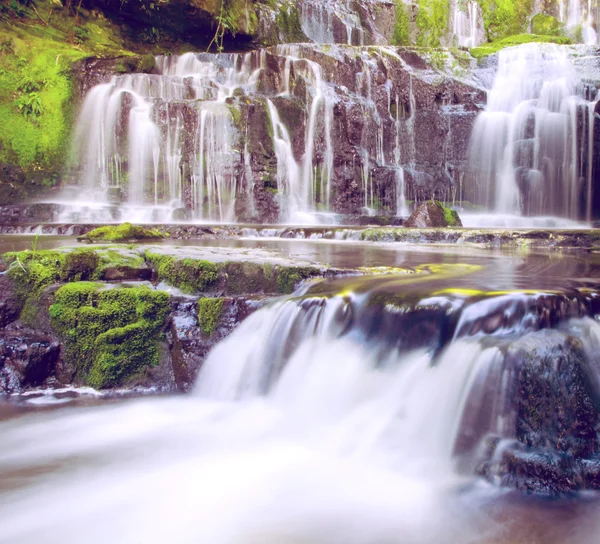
<point>30,105</point>
<point>225,23</point>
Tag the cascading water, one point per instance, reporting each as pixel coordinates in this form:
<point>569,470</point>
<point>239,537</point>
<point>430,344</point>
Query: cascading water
<point>175,144</point>
<point>331,22</point>
<point>466,24</point>
<point>531,150</point>
<point>322,419</point>
<point>579,17</point>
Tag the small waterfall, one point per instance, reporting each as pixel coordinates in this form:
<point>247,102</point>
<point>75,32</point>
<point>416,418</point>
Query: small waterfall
<point>527,151</point>
<point>466,23</point>
<point>331,22</point>
<point>134,132</point>
<point>388,375</point>
<point>579,17</point>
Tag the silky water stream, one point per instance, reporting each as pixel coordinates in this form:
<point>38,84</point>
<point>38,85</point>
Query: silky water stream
<point>355,411</point>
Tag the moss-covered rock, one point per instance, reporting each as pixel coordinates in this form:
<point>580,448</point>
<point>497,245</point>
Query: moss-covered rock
<point>189,275</point>
<point>433,214</point>
<point>109,335</point>
<point>210,311</point>
<point>32,270</point>
<point>125,232</point>
<point>79,265</point>
<point>493,47</point>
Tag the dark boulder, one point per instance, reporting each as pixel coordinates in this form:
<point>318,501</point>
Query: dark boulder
<point>27,359</point>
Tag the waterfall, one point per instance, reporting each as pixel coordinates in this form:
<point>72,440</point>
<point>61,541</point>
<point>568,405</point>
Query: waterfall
<point>465,26</point>
<point>579,17</point>
<point>331,22</point>
<point>527,152</point>
<point>134,134</point>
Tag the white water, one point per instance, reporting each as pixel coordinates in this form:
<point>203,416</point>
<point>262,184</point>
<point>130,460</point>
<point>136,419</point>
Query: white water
<point>341,448</point>
<point>149,145</point>
<point>299,432</point>
<point>525,154</point>
<point>319,19</point>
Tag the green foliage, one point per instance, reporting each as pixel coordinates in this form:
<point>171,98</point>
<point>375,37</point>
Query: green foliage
<point>402,26</point>
<point>494,47</point>
<point>432,22</point>
<point>546,25</point>
<point>189,275</point>
<point>503,18</point>
<point>109,335</point>
<point>39,42</point>
<point>210,311</point>
<point>122,233</point>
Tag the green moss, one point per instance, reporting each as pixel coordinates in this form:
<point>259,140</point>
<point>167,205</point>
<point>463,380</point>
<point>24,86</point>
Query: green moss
<point>288,25</point>
<point>122,233</point>
<point>210,311</point>
<point>288,278</point>
<point>236,116</point>
<point>494,47</point>
<point>36,105</point>
<point>189,275</point>
<point>546,25</point>
<point>79,265</point>
<point>452,218</point>
<point>401,34</point>
<point>146,63</point>
<point>432,22</point>
<point>31,271</point>
<point>110,335</point>
<point>117,257</point>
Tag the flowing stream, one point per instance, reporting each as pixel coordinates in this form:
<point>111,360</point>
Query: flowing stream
<point>319,420</point>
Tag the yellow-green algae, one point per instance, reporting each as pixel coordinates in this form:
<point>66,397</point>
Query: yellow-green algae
<point>109,335</point>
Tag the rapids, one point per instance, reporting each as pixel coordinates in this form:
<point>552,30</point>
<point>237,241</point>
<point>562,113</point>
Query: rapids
<point>315,422</point>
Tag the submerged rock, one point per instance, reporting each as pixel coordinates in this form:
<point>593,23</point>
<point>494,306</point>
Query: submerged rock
<point>432,214</point>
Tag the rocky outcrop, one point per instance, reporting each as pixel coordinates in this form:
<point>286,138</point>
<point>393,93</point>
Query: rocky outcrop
<point>119,317</point>
<point>432,214</point>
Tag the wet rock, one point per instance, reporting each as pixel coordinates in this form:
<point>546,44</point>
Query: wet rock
<point>10,307</point>
<point>230,271</point>
<point>27,359</point>
<point>432,214</point>
<point>190,344</point>
<point>127,273</point>
<point>548,406</point>
<point>19,214</point>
